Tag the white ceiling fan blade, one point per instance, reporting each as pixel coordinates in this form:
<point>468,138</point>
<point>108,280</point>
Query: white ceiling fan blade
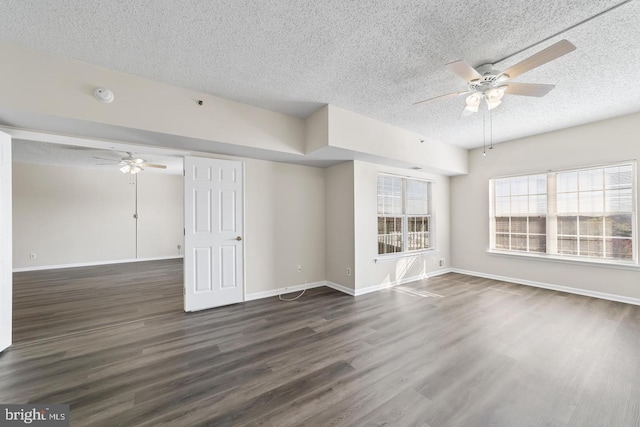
<point>151,165</point>
<point>554,51</point>
<point>441,97</point>
<point>464,70</point>
<point>528,89</point>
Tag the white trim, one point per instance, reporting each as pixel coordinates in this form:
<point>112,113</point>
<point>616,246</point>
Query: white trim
<point>571,169</point>
<point>401,281</point>
<point>397,175</point>
<point>553,214</point>
<point>398,255</point>
<point>281,291</point>
<point>405,216</point>
<point>570,290</point>
<point>591,262</point>
<point>92,263</point>
<point>340,288</point>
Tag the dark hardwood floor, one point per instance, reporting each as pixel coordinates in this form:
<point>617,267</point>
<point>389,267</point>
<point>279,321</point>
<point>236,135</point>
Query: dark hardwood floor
<point>452,350</point>
<point>50,303</point>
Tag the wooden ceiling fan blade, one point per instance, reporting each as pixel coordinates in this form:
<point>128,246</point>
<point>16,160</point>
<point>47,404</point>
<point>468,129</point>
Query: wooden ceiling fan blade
<point>151,165</point>
<point>441,97</point>
<point>528,89</point>
<point>552,52</point>
<point>464,70</point>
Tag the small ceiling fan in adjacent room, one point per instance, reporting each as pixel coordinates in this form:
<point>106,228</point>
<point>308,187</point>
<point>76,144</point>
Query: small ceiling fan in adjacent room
<point>131,165</point>
<point>485,83</point>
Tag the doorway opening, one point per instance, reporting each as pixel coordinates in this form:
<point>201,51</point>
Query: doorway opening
<point>94,245</point>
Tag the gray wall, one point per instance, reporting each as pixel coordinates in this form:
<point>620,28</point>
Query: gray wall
<point>607,141</point>
<point>68,215</point>
<point>339,211</point>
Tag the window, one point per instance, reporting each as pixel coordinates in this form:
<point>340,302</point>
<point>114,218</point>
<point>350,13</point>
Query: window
<point>585,213</point>
<point>404,214</point>
<point>520,213</point>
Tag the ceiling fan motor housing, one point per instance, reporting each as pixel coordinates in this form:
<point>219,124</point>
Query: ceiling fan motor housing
<point>490,78</point>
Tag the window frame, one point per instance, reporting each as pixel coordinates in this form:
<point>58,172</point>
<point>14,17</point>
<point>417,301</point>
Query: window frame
<point>406,216</point>
<point>551,218</point>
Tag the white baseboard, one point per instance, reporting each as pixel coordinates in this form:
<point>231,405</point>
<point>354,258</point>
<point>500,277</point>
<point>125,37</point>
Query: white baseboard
<point>381,286</point>
<point>570,290</point>
<point>401,281</point>
<point>92,263</point>
<point>288,289</point>
<point>340,288</point>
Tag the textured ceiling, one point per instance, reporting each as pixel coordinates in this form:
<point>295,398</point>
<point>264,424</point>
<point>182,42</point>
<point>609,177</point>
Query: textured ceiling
<point>373,57</point>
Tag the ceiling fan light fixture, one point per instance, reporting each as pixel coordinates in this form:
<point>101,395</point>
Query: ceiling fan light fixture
<point>473,102</point>
<point>131,169</point>
<point>496,94</point>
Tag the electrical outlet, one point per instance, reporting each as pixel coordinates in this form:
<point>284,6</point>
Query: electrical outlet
<point>179,247</point>
<point>299,269</point>
<point>441,263</point>
<point>32,255</point>
<point>348,272</point>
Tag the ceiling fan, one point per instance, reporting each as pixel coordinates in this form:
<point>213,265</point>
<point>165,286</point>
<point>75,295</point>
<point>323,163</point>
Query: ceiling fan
<point>132,165</point>
<point>484,83</point>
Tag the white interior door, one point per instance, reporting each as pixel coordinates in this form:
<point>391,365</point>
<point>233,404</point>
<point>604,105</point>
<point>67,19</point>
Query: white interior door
<point>213,218</point>
<point>6,294</point>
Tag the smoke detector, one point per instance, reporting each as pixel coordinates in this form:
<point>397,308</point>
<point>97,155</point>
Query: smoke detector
<point>103,94</point>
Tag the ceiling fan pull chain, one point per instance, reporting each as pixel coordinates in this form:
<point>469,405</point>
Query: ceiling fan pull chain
<point>484,134</point>
<point>490,131</point>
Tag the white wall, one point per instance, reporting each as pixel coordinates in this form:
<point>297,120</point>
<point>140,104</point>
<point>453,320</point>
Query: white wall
<point>340,237</point>
<point>284,225</point>
<point>355,132</point>
<point>160,215</point>
<point>69,215</point>
<point>595,143</point>
<point>370,273</point>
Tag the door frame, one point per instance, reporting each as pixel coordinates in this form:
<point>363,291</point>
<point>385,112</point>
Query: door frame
<point>6,243</point>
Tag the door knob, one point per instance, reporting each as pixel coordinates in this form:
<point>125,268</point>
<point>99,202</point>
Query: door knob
<point>239,238</point>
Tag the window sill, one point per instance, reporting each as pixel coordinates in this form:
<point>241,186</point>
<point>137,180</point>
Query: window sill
<point>567,260</point>
<point>391,257</point>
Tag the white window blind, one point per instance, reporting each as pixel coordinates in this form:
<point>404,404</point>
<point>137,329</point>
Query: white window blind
<point>584,213</point>
<point>404,216</point>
